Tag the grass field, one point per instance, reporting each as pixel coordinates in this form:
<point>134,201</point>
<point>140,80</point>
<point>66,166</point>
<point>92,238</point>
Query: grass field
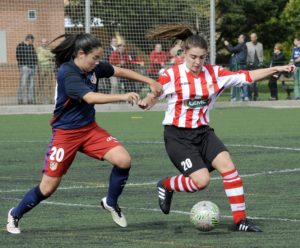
<point>264,144</point>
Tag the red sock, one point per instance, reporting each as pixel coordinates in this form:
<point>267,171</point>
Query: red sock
<point>181,184</point>
<point>234,190</point>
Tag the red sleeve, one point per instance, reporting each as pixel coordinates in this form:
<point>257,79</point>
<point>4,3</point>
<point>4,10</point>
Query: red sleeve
<point>223,72</point>
<point>114,58</point>
<point>164,78</point>
<point>248,77</point>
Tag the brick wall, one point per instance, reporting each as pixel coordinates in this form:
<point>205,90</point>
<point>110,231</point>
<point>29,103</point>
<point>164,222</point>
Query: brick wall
<point>14,21</point>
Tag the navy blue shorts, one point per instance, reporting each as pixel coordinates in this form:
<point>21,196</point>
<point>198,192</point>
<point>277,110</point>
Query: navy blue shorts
<point>191,149</point>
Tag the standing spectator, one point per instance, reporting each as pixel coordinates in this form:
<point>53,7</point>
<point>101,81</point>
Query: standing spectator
<point>112,47</point>
<point>121,58</point>
<point>109,85</point>
<point>45,89</point>
<point>158,60</point>
<point>138,65</point>
<point>296,61</point>
<point>238,62</point>
<point>27,61</point>
<point>277,59</point>
<point>179,57</point>
<point>175,53</point>
<point>255,57</point>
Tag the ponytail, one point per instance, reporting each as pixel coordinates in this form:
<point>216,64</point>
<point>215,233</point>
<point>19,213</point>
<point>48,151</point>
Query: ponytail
<point>71,45</point>
<point>175,32</point>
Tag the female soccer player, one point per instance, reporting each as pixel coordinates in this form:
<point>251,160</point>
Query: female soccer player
<point>74,127</point>
<point>191,90</point>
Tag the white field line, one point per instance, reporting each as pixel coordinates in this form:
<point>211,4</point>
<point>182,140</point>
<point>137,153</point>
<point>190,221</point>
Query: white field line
<point>263,173</point>
<point>160,142</point>
<point>151,210</point>
<point>230,145</point>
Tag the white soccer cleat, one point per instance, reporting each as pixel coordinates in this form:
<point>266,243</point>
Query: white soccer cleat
<point>12,224</point>
<point>116,213</point>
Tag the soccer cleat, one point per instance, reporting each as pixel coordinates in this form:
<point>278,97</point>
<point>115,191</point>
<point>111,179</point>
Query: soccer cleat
<point>12,224</point>
<point>246,225</point>
<point>164,197</point>
<point>116,213</point>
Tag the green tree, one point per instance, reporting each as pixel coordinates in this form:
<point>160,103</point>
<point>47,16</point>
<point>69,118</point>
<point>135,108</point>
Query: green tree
<point>290,20</point>
<point>263,17</point>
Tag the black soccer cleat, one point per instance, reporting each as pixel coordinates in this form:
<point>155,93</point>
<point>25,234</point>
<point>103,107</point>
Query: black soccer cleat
<point>246,225</point>
<point>164,197</point>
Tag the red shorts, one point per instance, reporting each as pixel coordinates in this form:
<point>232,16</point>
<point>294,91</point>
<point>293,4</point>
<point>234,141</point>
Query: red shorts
<point>91,140</point>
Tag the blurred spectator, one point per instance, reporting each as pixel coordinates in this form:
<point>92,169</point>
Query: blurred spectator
<point>176,53</point>
<point>45,89</point>
<point>255,57</point>
<point>112,47</point>
<point>27,61</point>
<point>179,57</point>
<point>109,85</point>
<point>296,61</point>
<point>238,62</point>
<point>277,59</point>
<point>121,58</point>
<point>158,60</point>
<point>138,65</point>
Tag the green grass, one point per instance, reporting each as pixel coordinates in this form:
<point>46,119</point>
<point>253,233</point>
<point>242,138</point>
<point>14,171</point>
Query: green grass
<point>263,91</point>
<point>72,218</point>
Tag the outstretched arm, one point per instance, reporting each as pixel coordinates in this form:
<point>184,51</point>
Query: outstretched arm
<point>100,98</point>
<point>129,74</point>
<point>262,73</point>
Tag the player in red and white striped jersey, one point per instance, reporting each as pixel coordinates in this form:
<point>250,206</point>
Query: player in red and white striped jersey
<point>191,90</point>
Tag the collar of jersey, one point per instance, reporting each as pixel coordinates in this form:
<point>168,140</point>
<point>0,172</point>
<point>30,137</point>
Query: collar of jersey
<point>189,71</point>
<point>72,63</point>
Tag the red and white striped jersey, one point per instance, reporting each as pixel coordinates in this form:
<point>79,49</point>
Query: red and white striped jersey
<point>190,97</point>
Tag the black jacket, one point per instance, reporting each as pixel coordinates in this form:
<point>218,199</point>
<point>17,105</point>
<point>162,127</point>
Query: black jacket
<point>277,59</point>
<point>26,55</point>
<point>239,53</point>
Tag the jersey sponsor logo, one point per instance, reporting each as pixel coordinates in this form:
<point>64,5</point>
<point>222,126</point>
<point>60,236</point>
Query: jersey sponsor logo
<point>196,103</point>
<point>111,138</point>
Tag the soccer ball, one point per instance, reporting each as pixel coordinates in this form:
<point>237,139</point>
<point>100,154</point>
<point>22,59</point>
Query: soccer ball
<point>205,215</point>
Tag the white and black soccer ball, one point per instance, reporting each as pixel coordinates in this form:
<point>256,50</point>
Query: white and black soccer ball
<point>205,215</point>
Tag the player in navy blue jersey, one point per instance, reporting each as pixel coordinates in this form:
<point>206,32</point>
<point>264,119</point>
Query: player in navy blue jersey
<point>74,128</point>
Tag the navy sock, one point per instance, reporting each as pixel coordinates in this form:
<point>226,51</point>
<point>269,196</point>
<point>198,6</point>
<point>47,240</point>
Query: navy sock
<point>117,181</point>
<point>29,201</point>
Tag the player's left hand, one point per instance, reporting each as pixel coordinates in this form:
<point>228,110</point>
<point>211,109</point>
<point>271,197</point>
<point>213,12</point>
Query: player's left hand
<point>286,68</point>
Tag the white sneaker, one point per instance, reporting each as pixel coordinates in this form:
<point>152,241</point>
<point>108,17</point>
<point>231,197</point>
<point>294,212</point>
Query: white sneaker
<point>116,213</point>
<point>12,224</point>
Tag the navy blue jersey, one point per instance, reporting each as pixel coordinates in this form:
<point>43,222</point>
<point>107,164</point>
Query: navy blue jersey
<point>71,111</point>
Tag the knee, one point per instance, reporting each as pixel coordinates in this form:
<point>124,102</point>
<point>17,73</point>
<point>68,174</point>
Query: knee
<point>49,185</point>
<point>47,190</point>
<point>202,181</point>
<point>123,161</point>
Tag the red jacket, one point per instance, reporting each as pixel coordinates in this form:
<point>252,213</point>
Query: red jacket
<point>156,59</point>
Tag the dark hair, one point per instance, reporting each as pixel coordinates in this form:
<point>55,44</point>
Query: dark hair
<point>71,45</point>
<point>183,32</point>
<point>29,37</point>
